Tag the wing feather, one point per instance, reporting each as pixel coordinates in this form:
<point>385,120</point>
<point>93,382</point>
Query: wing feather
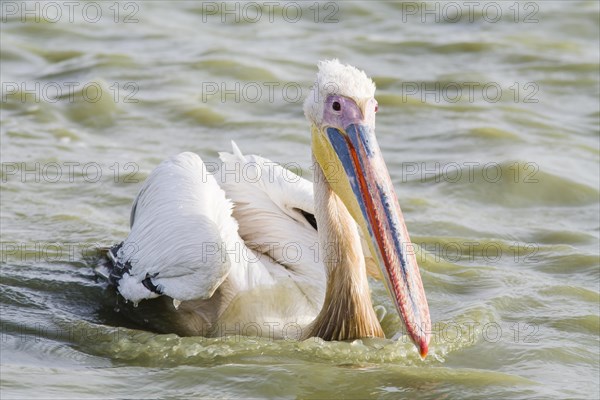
<point>274,208</point>
<point>179,222</point>
<point>270,202</point>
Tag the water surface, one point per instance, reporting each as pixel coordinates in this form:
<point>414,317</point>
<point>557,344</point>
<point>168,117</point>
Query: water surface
<point>490,129</point>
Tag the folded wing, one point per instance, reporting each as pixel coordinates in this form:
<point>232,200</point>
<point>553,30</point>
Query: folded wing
<point>180,222</point>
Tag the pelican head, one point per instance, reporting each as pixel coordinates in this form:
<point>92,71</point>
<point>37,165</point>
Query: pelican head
<point>341,110</point>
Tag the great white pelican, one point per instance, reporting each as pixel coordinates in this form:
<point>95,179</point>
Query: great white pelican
<point>229,252</point>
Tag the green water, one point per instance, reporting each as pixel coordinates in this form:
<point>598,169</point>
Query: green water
<point>490,127</point>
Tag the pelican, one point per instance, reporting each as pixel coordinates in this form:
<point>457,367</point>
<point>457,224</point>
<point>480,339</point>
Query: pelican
<point>255,249</point>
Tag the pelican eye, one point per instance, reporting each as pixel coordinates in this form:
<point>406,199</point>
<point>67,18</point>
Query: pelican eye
<point>336,106</point>
<point>376,107</point>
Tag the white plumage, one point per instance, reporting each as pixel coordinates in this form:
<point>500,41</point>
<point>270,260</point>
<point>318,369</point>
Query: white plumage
<point>335,78</point>
<point>178,222</point>
<point>269,201</point>
<point>188,241</point>
<point>238,251</point>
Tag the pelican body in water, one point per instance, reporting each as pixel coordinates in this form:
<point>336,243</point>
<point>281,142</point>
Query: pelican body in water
<point>219,251</point>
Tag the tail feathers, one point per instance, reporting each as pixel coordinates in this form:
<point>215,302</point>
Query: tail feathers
<point>110,268</point>
<point>237,152</point>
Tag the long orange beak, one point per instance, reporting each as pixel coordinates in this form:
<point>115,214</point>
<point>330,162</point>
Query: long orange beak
<point>375,207</point>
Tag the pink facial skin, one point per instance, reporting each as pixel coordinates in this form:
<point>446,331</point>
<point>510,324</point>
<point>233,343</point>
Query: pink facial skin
<point>348,112</point>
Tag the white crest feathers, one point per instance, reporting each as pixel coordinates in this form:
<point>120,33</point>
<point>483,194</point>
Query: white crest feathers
<point>337,79</point>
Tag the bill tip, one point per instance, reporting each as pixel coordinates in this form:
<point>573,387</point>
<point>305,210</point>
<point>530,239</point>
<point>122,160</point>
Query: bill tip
<point>423,350</point>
